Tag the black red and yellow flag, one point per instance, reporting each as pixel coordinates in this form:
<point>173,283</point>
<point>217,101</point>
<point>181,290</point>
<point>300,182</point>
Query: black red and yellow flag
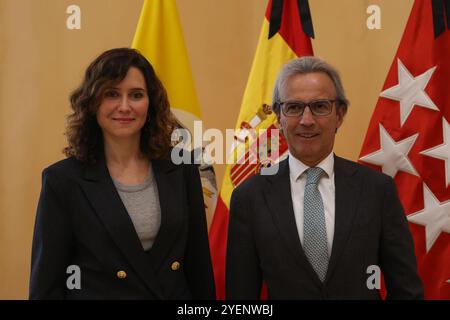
<point>285,35</point>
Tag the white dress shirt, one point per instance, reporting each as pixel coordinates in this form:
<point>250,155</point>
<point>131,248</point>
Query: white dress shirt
<point>326,188</point>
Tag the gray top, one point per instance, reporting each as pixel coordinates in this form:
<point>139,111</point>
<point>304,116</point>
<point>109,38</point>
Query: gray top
<point>142,204</point>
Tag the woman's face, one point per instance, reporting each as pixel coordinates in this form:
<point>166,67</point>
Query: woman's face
<point>123,108</point>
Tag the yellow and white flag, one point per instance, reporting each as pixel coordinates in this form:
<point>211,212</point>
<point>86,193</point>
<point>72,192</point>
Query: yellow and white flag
<point>160,39</point>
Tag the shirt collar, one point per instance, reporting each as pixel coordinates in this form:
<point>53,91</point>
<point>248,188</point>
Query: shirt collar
<point>297,168</point>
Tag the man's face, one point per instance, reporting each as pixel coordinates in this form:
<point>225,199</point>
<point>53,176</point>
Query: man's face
<point>310,138</point>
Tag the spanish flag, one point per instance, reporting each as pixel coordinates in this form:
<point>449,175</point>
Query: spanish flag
<point>160,39</point>
<point>285,35</point>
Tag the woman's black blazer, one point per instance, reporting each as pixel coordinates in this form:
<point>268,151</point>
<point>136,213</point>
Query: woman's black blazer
<point>82,222</point>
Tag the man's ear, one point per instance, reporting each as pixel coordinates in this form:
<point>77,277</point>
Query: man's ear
<point>282,123</point>
<point>340,113</point>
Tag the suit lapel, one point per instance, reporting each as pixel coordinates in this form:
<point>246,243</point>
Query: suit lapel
<point>102,194</point>
<point>279,200</point>
<point>346,199</point>
<point>171,195</point>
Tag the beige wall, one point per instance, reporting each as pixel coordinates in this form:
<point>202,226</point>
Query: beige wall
<point>41,62</point>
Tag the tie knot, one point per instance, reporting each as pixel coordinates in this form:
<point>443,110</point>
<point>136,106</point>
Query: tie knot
<point>313,175</point>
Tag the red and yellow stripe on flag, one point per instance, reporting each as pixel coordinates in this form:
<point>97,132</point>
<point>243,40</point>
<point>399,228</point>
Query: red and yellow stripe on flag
<point>285,35</point>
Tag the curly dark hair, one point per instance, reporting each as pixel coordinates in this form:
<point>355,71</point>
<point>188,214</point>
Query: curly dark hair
<point>84,135</point>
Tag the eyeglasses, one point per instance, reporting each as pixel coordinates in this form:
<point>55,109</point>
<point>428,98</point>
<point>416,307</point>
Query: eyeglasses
<point>296,108</point>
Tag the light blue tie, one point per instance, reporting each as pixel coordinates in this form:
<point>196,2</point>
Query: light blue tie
<point>314,230</point>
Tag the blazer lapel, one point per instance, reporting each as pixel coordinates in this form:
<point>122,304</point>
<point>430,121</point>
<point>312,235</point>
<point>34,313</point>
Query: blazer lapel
<point>171,195</point>
<point>346,199</point>
<point>279,200</point>
<point>102,194</point>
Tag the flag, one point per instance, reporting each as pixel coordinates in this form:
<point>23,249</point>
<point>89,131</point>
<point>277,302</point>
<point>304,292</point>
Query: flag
<point>160,39</point>
<point>409,138</point>
<point>285,35</point>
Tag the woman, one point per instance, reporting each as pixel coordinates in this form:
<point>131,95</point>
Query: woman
<point>117,219</point>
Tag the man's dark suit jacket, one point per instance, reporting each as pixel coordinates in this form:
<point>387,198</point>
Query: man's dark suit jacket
<point>370,229</point>
<point>82,221</point>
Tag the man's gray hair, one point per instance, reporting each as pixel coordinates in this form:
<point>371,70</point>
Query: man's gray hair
<point>304,65</point>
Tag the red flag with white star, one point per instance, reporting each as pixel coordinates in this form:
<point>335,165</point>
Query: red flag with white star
<point>409,138</point>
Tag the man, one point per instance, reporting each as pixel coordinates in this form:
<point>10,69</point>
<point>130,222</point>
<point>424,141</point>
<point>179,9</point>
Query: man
<point>313,229</point>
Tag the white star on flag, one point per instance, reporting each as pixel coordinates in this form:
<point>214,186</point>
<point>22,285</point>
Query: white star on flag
<point>442,151</point>
<point>410,91</point>
<point>392,156</point>
<point>435,217</point>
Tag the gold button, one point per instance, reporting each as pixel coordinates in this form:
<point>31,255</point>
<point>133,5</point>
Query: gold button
<point>121,274</point>
<point>175,266</point>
